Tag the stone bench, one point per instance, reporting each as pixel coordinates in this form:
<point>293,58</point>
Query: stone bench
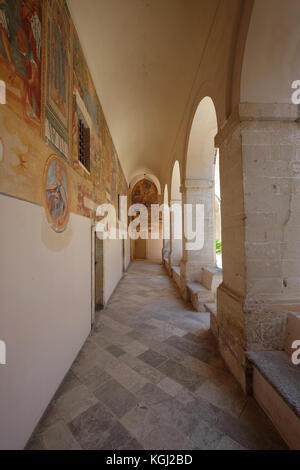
<point>204,292</point>
<point>276,387</point>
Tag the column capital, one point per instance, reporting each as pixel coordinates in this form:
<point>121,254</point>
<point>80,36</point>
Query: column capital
<point>243,112</point>
<point>196,184</point>
<point>175,201</point>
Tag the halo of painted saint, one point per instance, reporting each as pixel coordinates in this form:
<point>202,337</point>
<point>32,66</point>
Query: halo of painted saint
<point>56,193</point>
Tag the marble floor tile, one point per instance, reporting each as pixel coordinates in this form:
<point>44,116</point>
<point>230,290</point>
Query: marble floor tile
<point>59,437</point>
<point>95,378</point>
<point>116,397</point>
<point>140,421</point>
<point>115,350</point>
<point>128,377</point>
<point>150,376</point>
<point>181,374</point>
<point>152,358</point>
<point>167,438</point>
<point>135,348</point>
<point>74,402</point>
<point>92,427</point>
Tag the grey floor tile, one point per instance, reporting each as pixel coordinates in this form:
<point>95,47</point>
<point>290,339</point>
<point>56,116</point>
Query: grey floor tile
<point>140,421</point>
<point>181,374</point>
<point>59,437</point>
<point>117,439</point>
<point>150,394</point>
<point>167,438</point>
<point>69,382</point>
<point>152,358</point>
<point>92,427</point>
<point>74,402</point>
<point>189,347</point>
<point>116,397</point>
<point>205,436</point>
<point>150,376</point>
<point>115,350</point>
<point>95,378</point>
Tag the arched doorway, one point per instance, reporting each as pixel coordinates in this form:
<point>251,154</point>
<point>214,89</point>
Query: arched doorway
<point>145,192</point>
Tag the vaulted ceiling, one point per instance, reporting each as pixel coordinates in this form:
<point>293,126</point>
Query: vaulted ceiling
<point>143,56</point>
<point>148,58</point>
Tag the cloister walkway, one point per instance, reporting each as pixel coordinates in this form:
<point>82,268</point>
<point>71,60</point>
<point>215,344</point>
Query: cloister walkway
<point>150,376</point>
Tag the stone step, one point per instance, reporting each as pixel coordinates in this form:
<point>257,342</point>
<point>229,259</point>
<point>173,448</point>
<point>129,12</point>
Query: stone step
<point>212,309</point>
<point>276,387</point>
<point>211,277</point>
<point>176,275</point>
<point>199,295</point>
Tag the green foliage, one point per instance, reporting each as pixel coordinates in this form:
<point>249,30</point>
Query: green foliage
<point>218,247</point>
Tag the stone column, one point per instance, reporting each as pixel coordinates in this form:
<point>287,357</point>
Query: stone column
<point>166,241</point>
<point>199,192</point>
<point>260,187</point>
<point>175,253</point>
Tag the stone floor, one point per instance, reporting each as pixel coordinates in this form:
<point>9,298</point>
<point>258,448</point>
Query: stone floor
<point>150,377</point>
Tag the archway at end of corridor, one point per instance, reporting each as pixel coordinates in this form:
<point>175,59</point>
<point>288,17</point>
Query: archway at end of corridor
<point>148,246</point>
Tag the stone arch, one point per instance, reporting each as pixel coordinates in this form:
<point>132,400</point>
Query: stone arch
<point>175,253</point>
<point>271,59</point>
<point>199,189</point>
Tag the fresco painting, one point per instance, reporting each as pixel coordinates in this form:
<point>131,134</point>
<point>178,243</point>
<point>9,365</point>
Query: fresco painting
<point>58,77</point>
<point>56,193</point>
<point>21,32</point>
<point>36,40</point>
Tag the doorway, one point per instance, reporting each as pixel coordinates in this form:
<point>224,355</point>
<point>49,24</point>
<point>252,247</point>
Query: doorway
<point>140,248</point>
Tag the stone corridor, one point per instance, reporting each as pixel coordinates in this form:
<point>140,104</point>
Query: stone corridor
<point>150,377</point>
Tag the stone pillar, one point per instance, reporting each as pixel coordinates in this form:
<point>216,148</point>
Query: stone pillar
<point>166,241</point>
<point>175,253</point>
<point>260,188</point>
<point>199,192</point>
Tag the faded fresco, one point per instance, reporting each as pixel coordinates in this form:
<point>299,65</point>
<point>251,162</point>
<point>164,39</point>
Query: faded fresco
<point>49,50</point>
<point>21,32</point>
<point>58,77</point>
<point>56,193</point>
<point>144,192</point>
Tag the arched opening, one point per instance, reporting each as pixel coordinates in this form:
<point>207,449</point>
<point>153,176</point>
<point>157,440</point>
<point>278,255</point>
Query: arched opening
<point>202,189</point>
<point>145,192</point>
<point>175,254</point>
<point>166,226</point>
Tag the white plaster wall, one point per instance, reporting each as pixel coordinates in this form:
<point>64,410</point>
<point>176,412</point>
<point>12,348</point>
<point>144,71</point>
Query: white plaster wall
<point>45,302</point>
<point>127,252</point>
<point>113,266</point>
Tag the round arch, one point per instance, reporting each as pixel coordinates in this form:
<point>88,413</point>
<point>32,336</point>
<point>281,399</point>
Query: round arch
<point>176,182</point>
<point>201,151</point>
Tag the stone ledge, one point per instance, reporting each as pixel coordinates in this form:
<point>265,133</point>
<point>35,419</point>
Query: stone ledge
<point>199,295</point>
<point>176,269</point>
<point>211,308</point>
<point>276,367</point>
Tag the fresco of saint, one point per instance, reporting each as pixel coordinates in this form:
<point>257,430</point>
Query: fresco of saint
<point>20,48</point>
<point>57,194</point>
